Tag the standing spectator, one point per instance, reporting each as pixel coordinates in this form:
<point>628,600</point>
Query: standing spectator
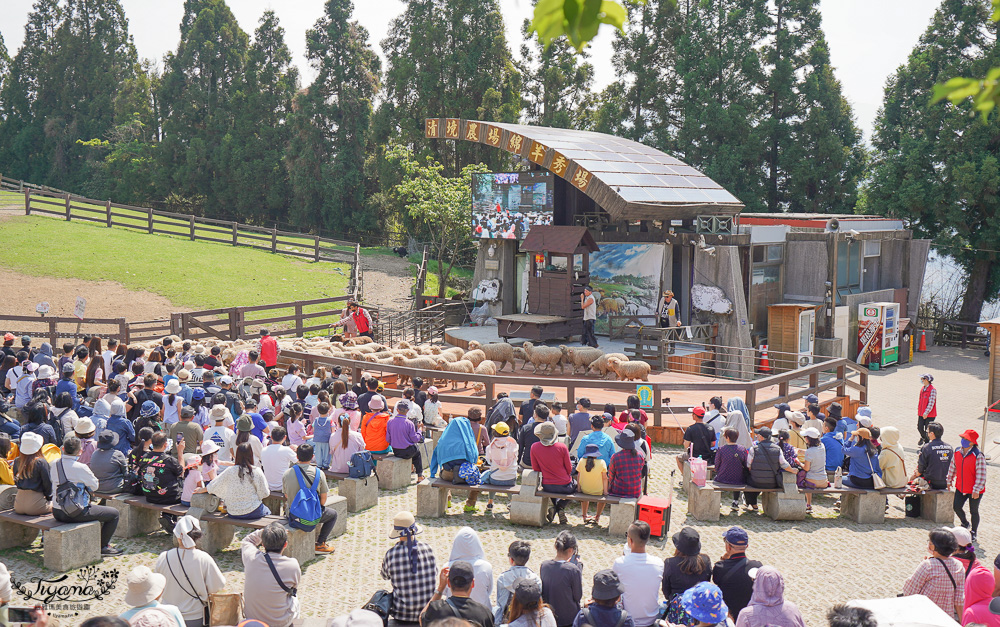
<point>459,578</point>
<point>109,464</point>
<point>242,487</point>
<point>926,406</point>
<point>603,609</point>
<point>276,459</point>
<point>934,460</point>
<point>641,575</point>
<point>562,580</point>
<point>411,568</point>
<point>968,471</point>
<point>699,440</point>
<point>527,608</point>
<point>625,471</point>
<point>291,483</point>
<point>686,568</point>
<point>68,469</point>
<point>268,348</point>
<point>192,576</point>
<point>551,460</point>
<point>403,438</point>
<point>145,588</point>
<point>588,302</point>
<point>271,579</point>
<point>732,572</point>
<point>518,553</point>
<point>768,606</point>
<point>939,576</point>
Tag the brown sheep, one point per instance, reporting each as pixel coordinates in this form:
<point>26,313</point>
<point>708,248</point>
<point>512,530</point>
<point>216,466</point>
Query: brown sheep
<point>582,357</point>
<point>548,356</point>
<point>500,353</point>
<point>358,341</point>
<point>477,356</point>
<point>600,365</point>
<point>629,370</point>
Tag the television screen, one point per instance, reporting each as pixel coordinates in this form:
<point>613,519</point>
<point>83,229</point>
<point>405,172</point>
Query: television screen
<point>505,205</point>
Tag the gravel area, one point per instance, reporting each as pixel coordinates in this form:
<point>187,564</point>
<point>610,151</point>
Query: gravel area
<point>388,281</point>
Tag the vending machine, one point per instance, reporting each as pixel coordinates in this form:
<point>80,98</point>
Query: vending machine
<point>878,334</point>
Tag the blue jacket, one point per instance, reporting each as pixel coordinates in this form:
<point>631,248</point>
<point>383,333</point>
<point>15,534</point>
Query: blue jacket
<point>845,426</point>
<point>834,450</point>
<point>604,444</point>
<point>68,386</point>
<point>862,465</point>
<point>455,443</point>
<point>126,433</point>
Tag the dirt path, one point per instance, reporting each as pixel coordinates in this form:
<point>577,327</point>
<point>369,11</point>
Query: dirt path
<point>388,281</point>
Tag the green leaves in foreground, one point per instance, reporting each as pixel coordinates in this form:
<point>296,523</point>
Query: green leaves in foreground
<point>578,20</point>
<point>985,92</point>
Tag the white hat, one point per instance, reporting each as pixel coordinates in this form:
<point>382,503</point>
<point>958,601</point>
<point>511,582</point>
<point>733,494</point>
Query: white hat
<point>46,372</point>
<point>208,447</point>
<point>795,416</point>
<point>811,432</point>
<point>144,586</point>
<point>864,421</point>
<point>30,366</point>
<point>226,380</point>
<point>84,426</point>
<point>962,536</point>
<point>185,525</point>
<point>183,374</point>
<point>173,387</point>
<point>31,443</point>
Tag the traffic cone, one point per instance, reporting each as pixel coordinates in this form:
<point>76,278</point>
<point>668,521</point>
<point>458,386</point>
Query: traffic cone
<point>923,342</point>
<point>765,364</point>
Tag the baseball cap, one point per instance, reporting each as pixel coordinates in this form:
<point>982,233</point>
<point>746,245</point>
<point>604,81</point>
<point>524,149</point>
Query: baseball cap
<point>226,380</point>
<point>460,574</point>
<point>501,429</point>
<point>812,398</point>
<point>736,536</point>
<point>527,591</point>
<point>782,408</point>
<point>698,411</point>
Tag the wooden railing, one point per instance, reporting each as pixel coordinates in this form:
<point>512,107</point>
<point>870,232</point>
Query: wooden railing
<point>961,334</point>
<point>232,323</point>
<point>55,328</point>
<point>15,185</point>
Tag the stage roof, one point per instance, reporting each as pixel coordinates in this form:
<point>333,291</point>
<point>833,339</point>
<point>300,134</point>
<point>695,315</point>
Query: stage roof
<point>627,179</point>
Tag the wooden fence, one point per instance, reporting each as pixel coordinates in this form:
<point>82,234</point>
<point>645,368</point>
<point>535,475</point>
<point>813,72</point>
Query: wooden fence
<point>54,329</point>
<point>14,185</point>
<point>231,323</point>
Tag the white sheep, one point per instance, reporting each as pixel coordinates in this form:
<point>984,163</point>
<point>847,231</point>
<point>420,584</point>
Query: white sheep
<point>600,365</point>
<point>486,367</point>
<point>582,357</point>
<point>629,370</point>
<point>519,353</point>
<point>462,366</point>
<point>477,356</point>
<point>500,353</point>
<point>452,354</point>
<point>548,356</point>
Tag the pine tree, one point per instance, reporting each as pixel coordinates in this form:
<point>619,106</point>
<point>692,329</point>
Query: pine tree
<point>331,125</point>
<point>557,82</point>
<point>4,62</point>
<point>196,96</point>
<point>253,181</point>
<point>932,166</point>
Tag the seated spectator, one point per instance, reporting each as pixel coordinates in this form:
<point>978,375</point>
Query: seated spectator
<point>736,420</point>
<point>705,605</point>
<point>501,455</point>
<point>766,463</point>
<point>402,437</point>
<point>518,553</point>
<point>455,446</point>
<point>551,460</point>
<point>864,461</point>
<point>8,423</point>
<point>192,576</point>
<point>242,487</point>
<point>479,432</point>
<point>935,458</point>
<point>373,427</point>
<point>527,608</point>
<point>32,478</point>
<point>641,575</point>
<point>626,469</point>
<point>37,414</point>
<point>603,609</point>
<point>699,440</point>
<point>732,572</point>
<point>468,548</point>
<point>797,422</point>
<point>276,458</point>
<point>731,462</point>
<point>411,568</point>
<point>161,476</point>
<point>292,482</point>
<point>271,578</point>
<point>579,421</point>
<point>833,445</point>
<point>526,437</point>
<point>938,577</point>
<point>686,568</point>
<point>85,430</point>
<point>145,588</point>
<point>787,450</point>
<point>119,424</point>
<point>592,475</point>
<point>459,578</point>
<point>344,443</point>
<point>244,435</point>
<point>559,420</point>
<point>69,469</point>
<point>109,464</point>
<point>813,473</point>
<point>6,475</point>
<point>502,411</point>
<point>605,445</point>
<point>890,459</point>
<point>562,580</point>
<point>767,603</point>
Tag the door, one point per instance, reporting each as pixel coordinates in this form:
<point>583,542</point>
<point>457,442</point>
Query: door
<point>521,283</point>
<point>807,336</point>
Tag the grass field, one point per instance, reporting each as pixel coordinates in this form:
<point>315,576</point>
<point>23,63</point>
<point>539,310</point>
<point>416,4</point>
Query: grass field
<point>10,198</point>
<point>431,284</point>
<point>199,275</point>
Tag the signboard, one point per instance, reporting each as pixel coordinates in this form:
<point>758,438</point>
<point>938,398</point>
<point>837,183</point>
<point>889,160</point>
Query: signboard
<point>645,394</point>
<point>81,307</point>
<point>42,308</point>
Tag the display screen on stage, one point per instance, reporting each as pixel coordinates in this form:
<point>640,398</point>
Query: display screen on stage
<point>505,205</point>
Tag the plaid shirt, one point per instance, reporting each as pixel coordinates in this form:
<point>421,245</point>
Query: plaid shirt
<point>626,474</point>
<point>931,580</point>
<point>962,478</point>
<point>410,590</point>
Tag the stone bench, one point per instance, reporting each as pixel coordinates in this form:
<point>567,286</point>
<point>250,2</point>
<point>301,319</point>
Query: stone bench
<point>393,472</point>
<point>67,545</point>
<point>432,494</point>
<point>622,510</point>
<point>360,493</point>
<point>136,515</point>
<point>530,504</point>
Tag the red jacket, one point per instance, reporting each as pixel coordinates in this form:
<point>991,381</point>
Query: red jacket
<point>928,402</point>
<point>361,320</point>
<point>269,350</point>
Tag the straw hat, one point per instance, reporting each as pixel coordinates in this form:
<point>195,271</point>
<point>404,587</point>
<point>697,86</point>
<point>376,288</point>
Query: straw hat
<point>403,521</point>
<point>144,586</point>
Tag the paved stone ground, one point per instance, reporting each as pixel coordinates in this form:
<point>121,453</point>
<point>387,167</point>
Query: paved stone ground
<point>825,559</point>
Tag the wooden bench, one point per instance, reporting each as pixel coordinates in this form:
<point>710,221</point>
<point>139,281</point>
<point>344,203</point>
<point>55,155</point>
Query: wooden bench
<point>622,511</point>
<point>360,493</point>
<point>67,545</point>
<point>136,515</point>
<point>432,494</point>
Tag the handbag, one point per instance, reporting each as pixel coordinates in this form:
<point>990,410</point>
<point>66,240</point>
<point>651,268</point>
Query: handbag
<point>226,608</point>
<point>72,498</point>
<point>876,480</point>
<point>381,604</point>
<point>699,471</point>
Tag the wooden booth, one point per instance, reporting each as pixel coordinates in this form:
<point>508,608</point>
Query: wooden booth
<point>559,268</point>
<point>993,392</point>
<point>791,335</point>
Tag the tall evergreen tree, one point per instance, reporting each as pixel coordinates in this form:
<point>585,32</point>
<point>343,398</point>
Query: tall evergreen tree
<point>196,97</point>
<point>4,64</point>
<point>253,181</point>
<point>931,165</point>
<point>557,82</point>
<point>331,125</point>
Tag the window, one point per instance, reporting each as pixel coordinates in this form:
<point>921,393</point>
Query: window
<point>772,253</point>
<point>775,253</point>
<point>766,274</point>
<point>873,248</point>
<point>848,269</point>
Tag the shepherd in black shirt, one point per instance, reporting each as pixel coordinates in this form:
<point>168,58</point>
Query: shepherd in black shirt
<point>934,460</point>
<point>461,578</point>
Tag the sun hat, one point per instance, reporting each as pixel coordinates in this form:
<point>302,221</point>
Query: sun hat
<point>527,591</point>
<point>592,451</point>
<point>546,433</point>
<point>812,399</point>
<point>191,460</point>
<point>218,412</point>
<point>30,443</point>
<point>107,440</point>
<point>348,400</point>
<point>148,409</point>
<point>501,429</point>
<point>625,441</point>
<point>357,618</point>
<point>795,416</point>
<point>173,387</point>
<point>687,541</point>
<point>144,586</point>
<point>84,426</point>
<point>375,403</point>
<point>737,536</point>
<point>404,521</point>
<point>199,349</point>
<point>197,394</point>
<point>607,585</point>
<point>704,603</point>
<point>245,423</point>
<point>184,374</point>
<point>971,435</point>
<point>30,366</point>
<point>698,411</point>
<point>862,433</point>
<point>46,372</point>
<point>811,432</point>
<point>257,384</point>
<point>864,421</point>
<point>208,447</point>
<point>183,527</point>
<point>863,412</point>
<point>460,574</point>
<point>67,367</point>
<point>834,409</point>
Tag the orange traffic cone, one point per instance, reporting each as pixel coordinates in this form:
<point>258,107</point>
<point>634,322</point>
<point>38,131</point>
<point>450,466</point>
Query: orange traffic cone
<point>923,342</point>
<point>765,364</point>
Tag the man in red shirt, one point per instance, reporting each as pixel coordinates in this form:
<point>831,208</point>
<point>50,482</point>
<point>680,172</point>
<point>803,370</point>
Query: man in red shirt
<point>551,460</point>
<point>268,349</point>
<point>968,471</point>
<point>362,319</point>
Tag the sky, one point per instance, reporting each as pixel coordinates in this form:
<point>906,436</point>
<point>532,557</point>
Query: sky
<point>868,39</point>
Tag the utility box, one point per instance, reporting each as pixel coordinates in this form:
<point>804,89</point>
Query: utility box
<point>791,335</point>
<point>655,511</point>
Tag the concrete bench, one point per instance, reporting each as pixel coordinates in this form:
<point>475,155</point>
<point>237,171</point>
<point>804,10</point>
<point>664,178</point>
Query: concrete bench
<point>360,493</point>
<point>432,494</point>
<point>67,545</point>
<point>393,472</point>
<point>275,502</point>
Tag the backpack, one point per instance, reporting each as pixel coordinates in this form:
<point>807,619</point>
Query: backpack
<point>589,620</point>
<point>361,465</point>
<point>305,511</point>
<point>470,473</point>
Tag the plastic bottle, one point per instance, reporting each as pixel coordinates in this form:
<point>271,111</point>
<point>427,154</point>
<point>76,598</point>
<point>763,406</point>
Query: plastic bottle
<point>838,478</point>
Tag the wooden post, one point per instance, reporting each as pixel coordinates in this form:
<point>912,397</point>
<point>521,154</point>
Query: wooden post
<point>191,219</point>
<point>233,326</point>
<point>316,247</point>
<point>783,389</point>
<point>752,406</point>
<point>68,215</point>
<point>274,240</point>
<point>53,336</point>
<point>123,331</point>
<point>107,212</point>
<point>863,380</point>
<point>27,202</point>
<point>657,406</point>
<point>175,324</point>
<point>298,319</point>
<point>240,323</point>
<point>842,377</point>
<point>814,380</point>
<point>149,220</point>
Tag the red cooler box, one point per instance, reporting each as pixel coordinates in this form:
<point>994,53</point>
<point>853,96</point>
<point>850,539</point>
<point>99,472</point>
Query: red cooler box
<point>655,511</point>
